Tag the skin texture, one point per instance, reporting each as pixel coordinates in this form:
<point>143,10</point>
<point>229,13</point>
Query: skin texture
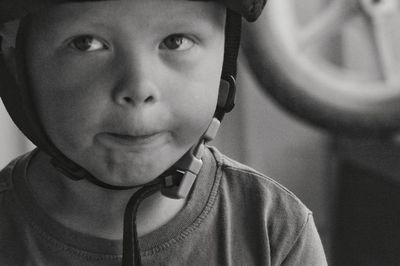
<point>127,83</point>
<point>123,88</point>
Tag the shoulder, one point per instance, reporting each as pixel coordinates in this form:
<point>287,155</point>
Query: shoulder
<point>13,224</point>
<point>247,182</point>
<point>16,167</point>
<point>269,208</point>
<point>6,176</point>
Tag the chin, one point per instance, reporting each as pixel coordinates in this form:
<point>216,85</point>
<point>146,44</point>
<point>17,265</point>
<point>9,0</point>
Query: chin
<point>125,176</point>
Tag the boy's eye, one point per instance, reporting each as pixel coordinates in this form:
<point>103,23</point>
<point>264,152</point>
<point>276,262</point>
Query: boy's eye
<point>177,42</point>
<point>87,43</point>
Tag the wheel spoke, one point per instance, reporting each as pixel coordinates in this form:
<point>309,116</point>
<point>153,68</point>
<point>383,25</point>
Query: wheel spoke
<point>326,24</point>
<point>383,29</point>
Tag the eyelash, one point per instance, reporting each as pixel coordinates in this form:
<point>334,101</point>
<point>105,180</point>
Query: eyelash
<point>181,38</point>
<point>75,45</point>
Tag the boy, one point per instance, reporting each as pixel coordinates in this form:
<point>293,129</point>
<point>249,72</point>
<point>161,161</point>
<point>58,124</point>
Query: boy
<point>120,97</point>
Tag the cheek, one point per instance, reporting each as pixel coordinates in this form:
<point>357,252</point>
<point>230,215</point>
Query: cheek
<point>67,103</point>
<point>197,101</point>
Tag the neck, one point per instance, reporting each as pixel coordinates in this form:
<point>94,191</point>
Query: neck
<point>93,210</point>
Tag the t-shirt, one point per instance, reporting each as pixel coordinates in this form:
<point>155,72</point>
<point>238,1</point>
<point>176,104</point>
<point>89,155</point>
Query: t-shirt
<point>233,216</point>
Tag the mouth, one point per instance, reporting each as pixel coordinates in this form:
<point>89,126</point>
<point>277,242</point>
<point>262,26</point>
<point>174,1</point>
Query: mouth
<point>132,141</point>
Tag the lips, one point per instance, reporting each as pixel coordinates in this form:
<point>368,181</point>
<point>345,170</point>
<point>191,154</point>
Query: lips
<point>132,141</point>
<point>134,138</point>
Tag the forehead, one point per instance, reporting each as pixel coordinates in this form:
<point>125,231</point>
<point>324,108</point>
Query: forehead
<point>142,13</point>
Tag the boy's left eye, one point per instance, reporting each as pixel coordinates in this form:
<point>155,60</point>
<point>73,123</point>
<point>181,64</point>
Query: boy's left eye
<point>177,42</point>
<point>87,43</point>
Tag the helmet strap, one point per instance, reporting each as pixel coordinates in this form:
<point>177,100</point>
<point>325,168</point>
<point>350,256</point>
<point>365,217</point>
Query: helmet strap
<point>233,29</point>
<point>178,186</point>
<point>187,169</point>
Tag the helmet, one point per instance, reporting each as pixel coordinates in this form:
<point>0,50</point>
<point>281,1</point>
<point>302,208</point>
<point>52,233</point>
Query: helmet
<point>16,97</point>
<point>14,9</point>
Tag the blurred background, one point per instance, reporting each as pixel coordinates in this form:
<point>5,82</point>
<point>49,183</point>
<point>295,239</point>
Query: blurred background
<point>344,166</point>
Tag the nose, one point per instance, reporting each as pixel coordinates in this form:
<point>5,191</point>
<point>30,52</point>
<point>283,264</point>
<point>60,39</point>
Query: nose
<point>136,83</point>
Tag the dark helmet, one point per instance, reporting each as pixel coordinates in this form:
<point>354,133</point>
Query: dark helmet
<point>14,9</point>
<point>15,93</point>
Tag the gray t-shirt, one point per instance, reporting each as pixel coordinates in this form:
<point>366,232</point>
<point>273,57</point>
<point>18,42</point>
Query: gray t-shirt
<point>234,216</point>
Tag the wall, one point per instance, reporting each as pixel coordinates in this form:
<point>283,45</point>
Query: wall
<point>12,143</point>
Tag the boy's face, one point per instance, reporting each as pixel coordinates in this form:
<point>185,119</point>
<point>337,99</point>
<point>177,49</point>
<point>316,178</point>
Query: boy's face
<point>125,88</point>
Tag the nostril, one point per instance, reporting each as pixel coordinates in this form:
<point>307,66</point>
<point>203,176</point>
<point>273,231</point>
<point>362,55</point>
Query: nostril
<point>149,99</point>
<point>127,100</point>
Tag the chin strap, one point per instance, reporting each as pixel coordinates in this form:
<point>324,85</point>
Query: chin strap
<point>179,185</point>
<point>131,249</point>
<point>178,180</point>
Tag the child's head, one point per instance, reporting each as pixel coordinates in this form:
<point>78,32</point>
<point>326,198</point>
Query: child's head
<point>125,88</point>
<point>123,95</point>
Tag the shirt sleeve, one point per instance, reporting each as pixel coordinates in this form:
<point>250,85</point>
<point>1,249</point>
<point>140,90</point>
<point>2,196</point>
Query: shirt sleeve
<point>307,250</point>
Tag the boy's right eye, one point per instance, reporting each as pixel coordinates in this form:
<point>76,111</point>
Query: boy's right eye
<point>87,43</point>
